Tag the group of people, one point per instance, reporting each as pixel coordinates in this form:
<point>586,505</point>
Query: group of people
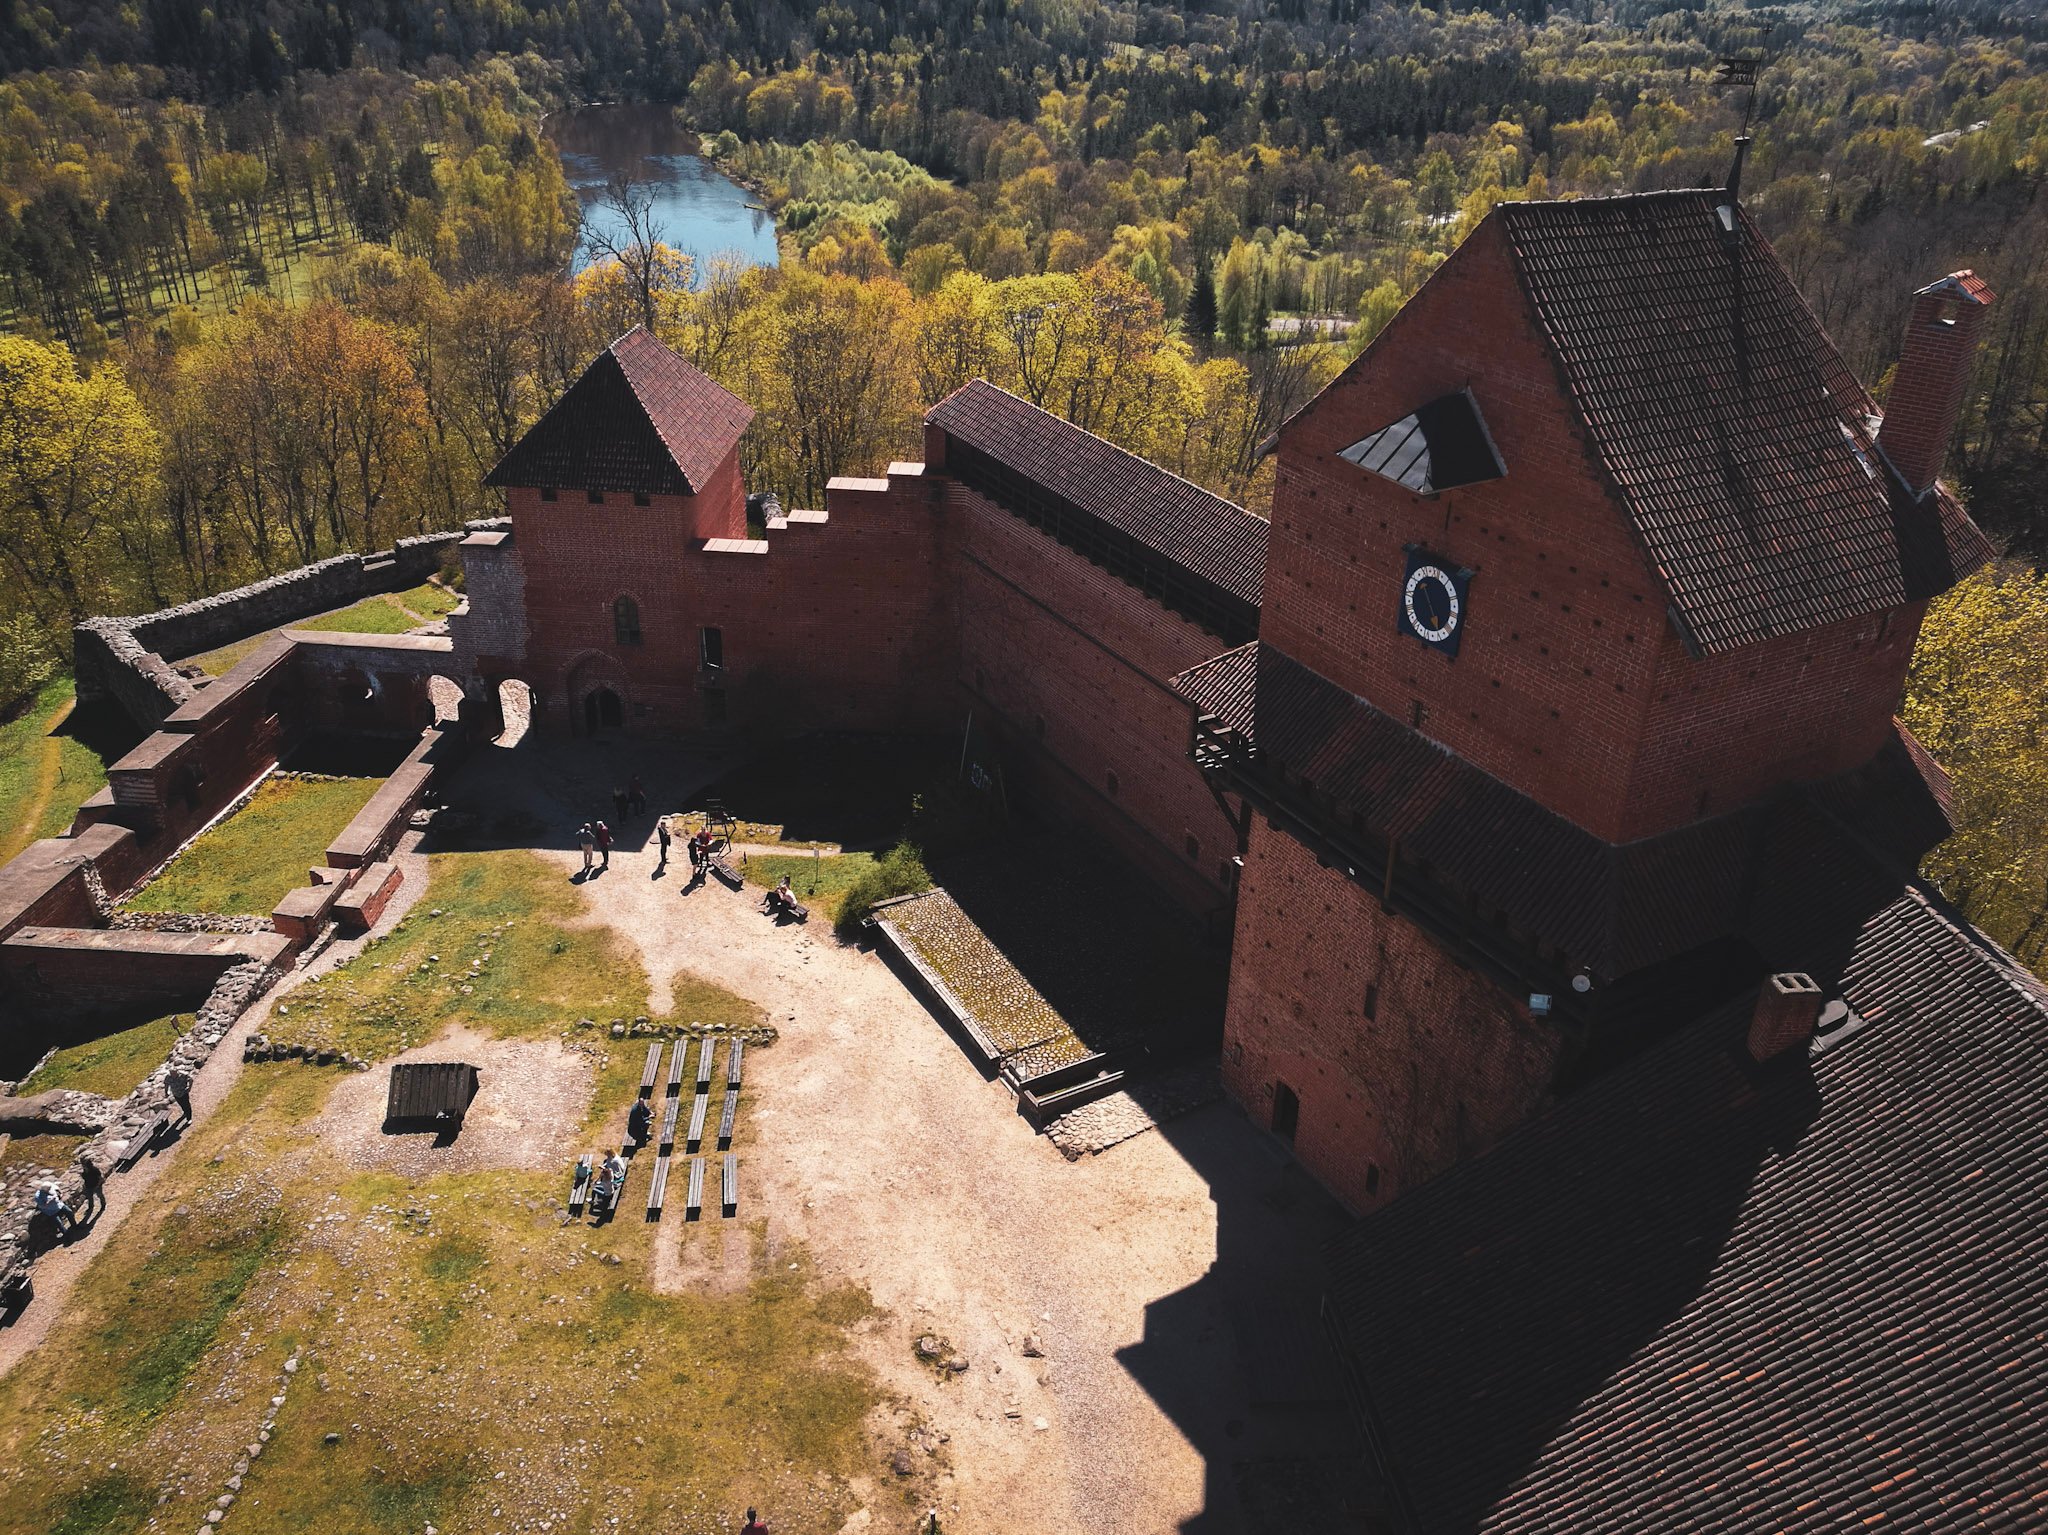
<point>605,1184</point>
<point>92,1178</point>
<point>595,838</point>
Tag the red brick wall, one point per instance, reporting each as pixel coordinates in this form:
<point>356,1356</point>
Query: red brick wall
<point>1447,1064</point>
<point>1570,683</point>
<point>1047,636</point>
<point>839,621</point>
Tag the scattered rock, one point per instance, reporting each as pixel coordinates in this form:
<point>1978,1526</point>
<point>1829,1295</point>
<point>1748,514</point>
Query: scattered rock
<point>929,1348</point>
<point>957,1364</point>
<point>1040,1424</point>
<point>1033,1349</point>
<point>332,1438</point>
<point>901,1463</point>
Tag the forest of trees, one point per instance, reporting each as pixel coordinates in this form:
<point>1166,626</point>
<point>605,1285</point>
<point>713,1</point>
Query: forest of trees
<point>279,279</point>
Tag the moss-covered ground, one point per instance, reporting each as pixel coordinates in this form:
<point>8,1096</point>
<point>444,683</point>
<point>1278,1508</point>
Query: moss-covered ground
<point>49,766</point>
<point>464,1357</point>
<point>383,613</point>
<point>247,863</point>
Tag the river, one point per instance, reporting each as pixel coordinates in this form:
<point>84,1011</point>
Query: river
<point>696,210</point>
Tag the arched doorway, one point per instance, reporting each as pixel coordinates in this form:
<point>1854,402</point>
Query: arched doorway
<point>602,710</point>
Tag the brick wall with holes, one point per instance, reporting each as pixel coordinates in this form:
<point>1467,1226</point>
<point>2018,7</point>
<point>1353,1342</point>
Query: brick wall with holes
<point>1401,1061</point>
<point>1067,667</point>
<point>1570,682</point>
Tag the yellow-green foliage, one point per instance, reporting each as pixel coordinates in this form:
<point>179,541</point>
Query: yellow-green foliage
<point>1975,698</point>
<point>250,861</point>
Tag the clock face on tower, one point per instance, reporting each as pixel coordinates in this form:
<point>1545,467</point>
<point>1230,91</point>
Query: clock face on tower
<point>1433,600</point>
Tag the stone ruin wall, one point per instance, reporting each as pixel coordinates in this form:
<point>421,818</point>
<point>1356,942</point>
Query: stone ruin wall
<point>128,659</point>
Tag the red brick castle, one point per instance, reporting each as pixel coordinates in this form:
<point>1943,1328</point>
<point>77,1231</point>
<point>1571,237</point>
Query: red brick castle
<point>1589,591</point>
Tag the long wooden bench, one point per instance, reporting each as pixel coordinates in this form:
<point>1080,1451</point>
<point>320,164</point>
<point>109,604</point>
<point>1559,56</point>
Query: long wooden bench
<point>668,1123</point>
<point>698,1105</point>
<point>732,1062</point>
<point>579,1183</point>
<point>675,1066</point>
<point>729,1185</point>
<point>651,1070</point>
<point>704,1066</point>
<point>720,865</point>
<point>726,1117</point>
<point>693,1200</point>
<point>143,1138</point>
<point>657,1189</point>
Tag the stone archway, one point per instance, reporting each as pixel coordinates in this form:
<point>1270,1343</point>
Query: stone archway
<point>599,700</point>
<point>602,710</point>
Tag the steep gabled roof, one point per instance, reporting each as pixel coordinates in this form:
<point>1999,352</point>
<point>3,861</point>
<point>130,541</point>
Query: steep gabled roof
<point>1702,1295</point>
<point>641,418</point>
<point>1733,432</point>
<point>1216,543</point>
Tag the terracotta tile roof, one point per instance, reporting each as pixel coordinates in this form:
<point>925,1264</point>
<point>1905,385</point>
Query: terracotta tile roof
<point>641,418</point>
<point>1702,1295</point>
<point>1732,431</point>
<point>1611,909</point>
<point>1217,543</point>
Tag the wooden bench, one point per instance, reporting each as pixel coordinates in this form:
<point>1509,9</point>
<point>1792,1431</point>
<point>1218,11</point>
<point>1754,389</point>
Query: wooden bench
<point>610,1206</point>
<point>675,1066</point>
<point>144,1137</point>
<point>726,1116</point>
<point>732,1063</point>
<point>729,1185</point>
<point>657,1190</point>
<point>652,1069</point>
<point>697,1106</point>
<point>721,865</point>
<point>668,1124</point>
<point>704,1066</point>
<point>796,911</point>
<point>693,1200</point>
<point>579,1183</point>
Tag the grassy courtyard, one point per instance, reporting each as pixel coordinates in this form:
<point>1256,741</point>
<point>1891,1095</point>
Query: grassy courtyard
<point>249,862</point>
<point>463,1358</point>
<point>384,613</point>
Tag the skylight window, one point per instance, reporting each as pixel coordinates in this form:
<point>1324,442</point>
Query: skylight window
<point>1441,446</point>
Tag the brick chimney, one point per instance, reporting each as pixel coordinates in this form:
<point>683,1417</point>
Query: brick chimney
<point>1934,369</point>
<point>1787,1009</point>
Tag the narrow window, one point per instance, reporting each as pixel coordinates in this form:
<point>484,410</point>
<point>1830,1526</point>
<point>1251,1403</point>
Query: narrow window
<point>1193,845</point>
<point>547,492</point>
<point>641,498</point>
<point>711,648</point>
<point>594,497</point>
<point>1286,1112</point>
<point>1417,714</point>
<point>626,621</point>
<point>1372,1000</point>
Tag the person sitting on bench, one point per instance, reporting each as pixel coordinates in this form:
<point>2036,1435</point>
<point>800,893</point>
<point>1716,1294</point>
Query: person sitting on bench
<point>781,901</point>
<point>49,1202</point>
<point>603,1187</point>
<point>638,1119</point>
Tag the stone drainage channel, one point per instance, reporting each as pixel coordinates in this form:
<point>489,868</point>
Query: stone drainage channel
<point>231,1489</point>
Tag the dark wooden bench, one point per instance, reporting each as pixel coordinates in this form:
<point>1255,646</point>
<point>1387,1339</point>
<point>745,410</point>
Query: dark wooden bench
<point>657,1188</point>
<point>696,1136</point>
<point>729,1185</point>
<point>675,1066</point>
<point>579,1181</point>
<point>726,1116</point>
<point>144,1137</point>
<point>652,1069</point>
<point>668,1123</point>
<point>693,1200</point>
<point>732,1062</point>
<point>721,865</point>
<point>704,1066</point>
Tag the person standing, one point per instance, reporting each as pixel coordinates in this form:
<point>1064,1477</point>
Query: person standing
<point>661,835</point>
<point>51,1203</point>
<point>92,1187</point>
<point>178,1083</point>
<point>753,1526</point>
<point>636,796</point>
<point>588,840</point>
<point>619,806</point>
<point>639,1120</point>
<point>604,845</point>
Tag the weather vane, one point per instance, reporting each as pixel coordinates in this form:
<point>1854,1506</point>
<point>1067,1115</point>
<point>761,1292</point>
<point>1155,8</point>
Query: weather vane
<point>1737,71</point>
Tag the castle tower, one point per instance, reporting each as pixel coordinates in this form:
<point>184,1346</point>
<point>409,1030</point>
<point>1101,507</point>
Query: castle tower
<point>1586,583</point>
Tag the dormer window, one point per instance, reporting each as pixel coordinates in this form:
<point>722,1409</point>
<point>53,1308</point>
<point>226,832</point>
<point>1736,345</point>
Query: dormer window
<point>547,492</point>
<point>1443,445</point>
<point>594,497</point>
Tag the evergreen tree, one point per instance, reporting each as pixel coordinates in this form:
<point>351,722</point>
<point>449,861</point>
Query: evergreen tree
<point>1201,317</point>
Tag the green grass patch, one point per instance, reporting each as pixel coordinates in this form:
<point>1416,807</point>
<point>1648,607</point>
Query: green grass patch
<point>502,955</point>
<point>819,880</point>
<point>373,615</point>
<point>111,1065</point>
<point>250,861</point>
<point>113,1504</point>
<point>52,1150</point>
<point>696,1000</point>
<point>218,663</point>
<point>430,600</point>
<point>47,770</point>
